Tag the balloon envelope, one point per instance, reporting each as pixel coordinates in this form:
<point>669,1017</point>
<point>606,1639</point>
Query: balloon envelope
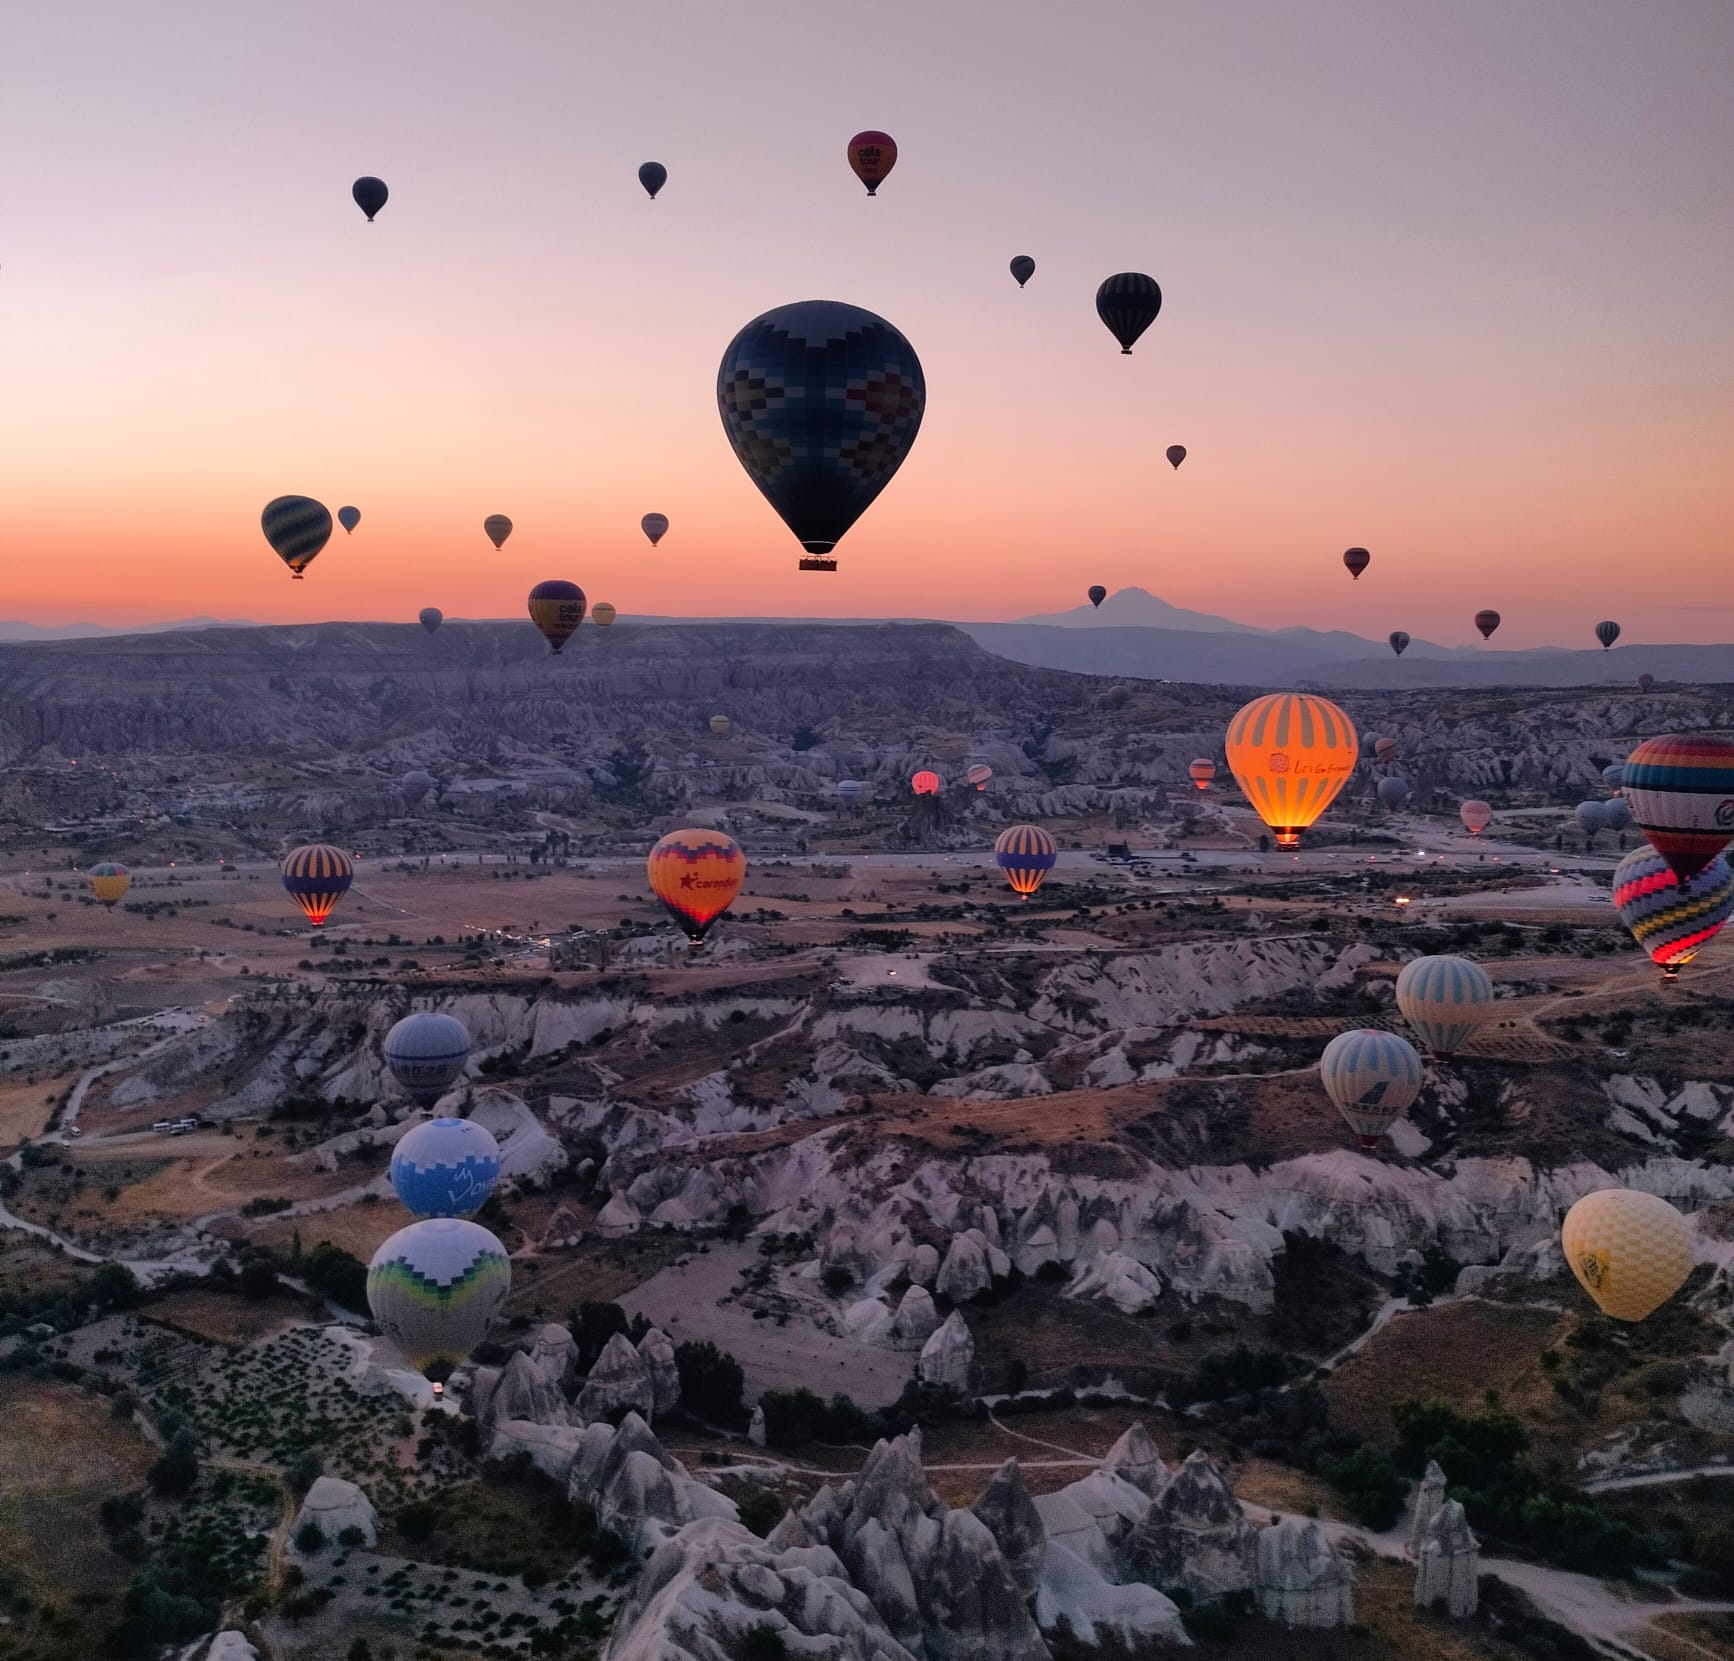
<point>696,874</point>
<point>1671,920</point>
<point>655,526</point>
<point>1680,788</point>
<point>1291,752</point>
<point>557,608</point>
<point>653,176</point>
<point>1026,854</point>
<point>1589,817</point>
<point>1385,749</point>
<point>498,527</point>
<point>109,881</point>
<point>1372,1076</point>
<point>1631,1251</point>
<point>1176,454</point>
<point>603,615</point>
<point>415,784</point>
<point>1607,633</point>
<point>348,518</point>
<point>1097,594</point>
<point>849,790</point>
<point>1127,304</point>
<point>297,527</point>
<point>1613,775</point>
<point>1476,816</point>
<point>431,617</point>
<point>978,776</point>
<point>925,783</point>
<point>1201,772</point>
<point>370,195</point>
<point>821,402</point>
<point>1445,999</point>
<point>1393,792</point>
<point>1357,560</point>
<point>316,877</point>
<point>1616,816</point>
<point>872,155</point>
<point>1399,641</point>
<point>1646,681</point>
<point>445,1168</point>
<point>1486,622</point>
<point>1023,268</point>
<point>720,724</point>
<point>426,1053</point>
<point>435,1286</point>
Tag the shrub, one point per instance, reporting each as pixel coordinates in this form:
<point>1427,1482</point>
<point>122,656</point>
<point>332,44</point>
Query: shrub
<point>762,1510</point>
<point>711,1382</point>
<point>258,1279</point>
<point>304,1470</point>
<point>764,1642</point>
<point>309,1538</point>
<point>178,1469</point>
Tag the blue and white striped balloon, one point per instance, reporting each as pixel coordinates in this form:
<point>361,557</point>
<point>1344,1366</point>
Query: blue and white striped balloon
<point>1445,999</point>
<point>445,1168</point>
<point>426,1053</point>
<point>1372,1076</point>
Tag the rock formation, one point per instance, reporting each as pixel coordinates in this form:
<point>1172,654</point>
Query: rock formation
<point>519,1390</point>
<point>336,1505</point>
<point>971,1265</point>
<point>1094,1517</point>
<point>916,1320</point>
<point>1096,1610</point>
<point>550,1448</point>
<point>1448,1562</point>
<point>948,1357</point>
<point>656,1351</point>
<point>231,1646</point>
<point>1195,1538</point>
<point>635,1487</point>
<point>618,1383</point>
<point>756,1427</point>
<point>1010,1516</point>
<point>1117,1279</point>
<point>1300,1579</point>
<point>1429,1499</point>
<point>1134,1458</point>
<point>556,1353</point>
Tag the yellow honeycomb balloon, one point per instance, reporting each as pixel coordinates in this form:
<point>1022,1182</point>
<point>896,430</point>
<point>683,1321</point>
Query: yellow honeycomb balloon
<point>1630,1251</point>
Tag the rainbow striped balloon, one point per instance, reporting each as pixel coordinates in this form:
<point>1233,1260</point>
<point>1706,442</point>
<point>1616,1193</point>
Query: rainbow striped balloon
<point>1672,921</point>
<point>436,1285</point>
<point>1444,999</point>
<point>1291,753</point>
<point>1372,1076</point>
<point>109,881</point>
<point>1680,788</point>
<point>316,877</point>
<point>1026,854</point>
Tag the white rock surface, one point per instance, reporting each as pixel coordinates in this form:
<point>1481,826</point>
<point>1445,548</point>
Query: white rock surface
<point>1098,1611</point>
<point>635,1487</point>
<point>335,1505</point>
<point>551,1448</point>
<point>1429,1499</point>
<point>916,1320</point>
<point>619,1381</point>
<point>656,1351</point>
<point>1134,1458</point>
<point>1010,1516</point>
<point>1195,1537</point>
<point>1300,1579</point>
<point>948,1357</point>
<point>756,1428</point>
<point>1117,1279</point>
<point>1448,1563</point>
<point>556,1353</point>
<point>231,1646</point>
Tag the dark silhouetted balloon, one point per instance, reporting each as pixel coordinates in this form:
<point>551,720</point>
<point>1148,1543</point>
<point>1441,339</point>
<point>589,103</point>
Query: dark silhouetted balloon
<point>1097,594</point>
<point>1023,268</point>
<point>297,527</point>
<point>1393,792</point>
<point>1128,304</point>
<point>1487,622</point>
<point>1357,560</point>
<point>1118,697</point>
<point>1646,681</point>
<point>498,528</point>
<point>370,195</point>
<point>1607,634</point>
<point>653,176</point>
<point>431,618</point>
<point>655,526</point>
<point>1399,642</point>
<point>348,518</point>
<point>557,608</point>
<point>1176,454</point>
<point>821,401</point>
<point>872,155</point>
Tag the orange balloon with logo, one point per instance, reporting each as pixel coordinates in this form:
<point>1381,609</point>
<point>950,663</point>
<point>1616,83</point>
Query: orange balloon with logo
<point>871,156</point>
<point>696,874</point>
<point>1291,753</point>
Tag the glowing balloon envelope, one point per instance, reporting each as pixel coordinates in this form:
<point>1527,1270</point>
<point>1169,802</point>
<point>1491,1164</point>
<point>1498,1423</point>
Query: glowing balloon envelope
<point>1127,304</point>
<point>1201,772</point>
<point>435,1286</point>
<point>1393,792</point>
<point>1023,268</point>
<point>925,783</point>
<point>316,877</point>
<point>430,618</point>
<point>348,518</point>
<point>653,176</point>
<point>979,775</point>
<point>445,1167</point>
<point>557,608</point>
<point>603,615</point>
<point>1487,622</point>
<point>1399,641</point>
<point>1291,752</point>
<point>1672,921</point>
<point>1373,1077</point>
<point>1097,594</point>
<point>297,527</point>
<point>497,527</point>
<point>720,725</point>
<point>1445,999</point>
<point>1607,634</point>
<point>1026,854</point>
<point>1476,816</point>
<point>426,1053</point>
<point>1357,560</point>
<point>109,881</point>
<point>370,195</point>
<point>696,874</point>
<point>872,155</point>
<point>1631,1251</point>
<point>415,785</point>
<point>654,526</point>
<point>821,402</point>
<point>1176,454</point>
<point>1680,788</point>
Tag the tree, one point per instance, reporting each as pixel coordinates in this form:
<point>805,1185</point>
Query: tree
<point>360,1650</point>
<point>309,1538</point>
<point>711,1381</point>
<point>336,1274</point>
<point>258,1279</point>
<point>178,1469</point>
<point>304,1470</point>
<point>113,1286</point>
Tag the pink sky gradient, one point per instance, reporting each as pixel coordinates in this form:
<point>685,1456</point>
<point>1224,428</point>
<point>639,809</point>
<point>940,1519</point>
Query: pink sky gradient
<point>1449,281</point>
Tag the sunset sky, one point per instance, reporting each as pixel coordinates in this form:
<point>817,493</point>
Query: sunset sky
<point>1449,279</point>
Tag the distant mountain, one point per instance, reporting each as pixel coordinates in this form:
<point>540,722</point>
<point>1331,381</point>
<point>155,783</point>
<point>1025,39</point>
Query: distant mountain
<point>1140,609</point>
<point>98,631</point>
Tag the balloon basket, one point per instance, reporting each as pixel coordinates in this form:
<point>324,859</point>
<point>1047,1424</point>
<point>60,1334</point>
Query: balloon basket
<point>812,563</point>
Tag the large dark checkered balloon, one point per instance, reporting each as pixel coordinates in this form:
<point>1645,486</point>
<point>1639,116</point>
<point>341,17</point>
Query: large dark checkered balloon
<point>821,402</point>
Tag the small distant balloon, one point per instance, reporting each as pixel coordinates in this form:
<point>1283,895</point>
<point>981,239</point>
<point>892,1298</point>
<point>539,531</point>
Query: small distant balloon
<point>349,518</point>
<point>430,618</point>
<point>1097,594</point>
<point>498,528</point>
<point>1119,697</point>
<point>979,775</point>
<point>109,881</point>
<point>1357,560</point>
<point>1127,304</point>
<point>426,1053</point>
<point>925,783</point>
<point>1399,642</point>
<point>872,155</point>
<point>1613,774</point>
<point>1393,791</point>
<point>370,195</point>
<point>1385,749</point>
<point>653,176</point>
<point>1476,816</point>
<point>1445,999</point>
<point>316,877</point>
<point>1589,817</point>
<point>297,527</point>
<point>719,724</point>
<point>1487,622</point>
<point>1176,454</point>
<point>415,785</point>
<point>655,526</point>
<point>849,790</point>
<point>1023,268</point>
<point>1607,633</point>
<point>1201,772</point>
<point>1646,681</point>
<point>557,608</point>
<point>603,615</point>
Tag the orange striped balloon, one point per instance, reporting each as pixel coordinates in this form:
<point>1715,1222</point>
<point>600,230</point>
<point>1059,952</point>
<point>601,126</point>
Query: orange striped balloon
<point>1025,853</point>
<point>696,874</point>
<point>316,878</point>
<point>1291,753</point>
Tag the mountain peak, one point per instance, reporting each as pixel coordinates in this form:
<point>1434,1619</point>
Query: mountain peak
<point>1138,608</point>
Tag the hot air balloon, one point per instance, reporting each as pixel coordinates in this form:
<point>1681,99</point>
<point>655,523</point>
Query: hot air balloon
<point>696,874</point>
<point>1128,303</point>
<point>1097,594</point>
<point>1680,788</point>
<point>1201,772</point>
<point>316,877</point>
<point>603,615</point>
<point>1026,854</point>
<point>1399,641</point>
<point>1385,749</point>
<point>1372,1076</point>
<point>1476,816</point>
<point>445,1167</point>
<point>1631,1251</point>
<point>1445,999</point>
<point>370,195</point>
<point>1671,921</point>
<point>498,527</point>
<point>1646,681</point>
<point>435,1286</point>
<point>557,608</point>
<point>431,617</point>
<point>1357,560</point>
<point>849,790</point>
<point>1291,752</point>
<point>978,776</point>
<point>1023,268</point>
<point>1393,791</point>
<point>655,526</point>
<point>719,724</point>
<point>1613,775</point>
<point>1616,816</point>
<point>872,155</point>
<point>1176,454</point>
<point>1607,634</point>
<point>426,1053</point>
<point>1589,817</point>
<point>821,402</point>
<point>349,518</point>
<point>925,783</point>
<point>653,176</point>
<point>415,784</point>
<point>1118,697</point>
<point>297,527</point>
<point>109,881</point>
<point>1487,622</point>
